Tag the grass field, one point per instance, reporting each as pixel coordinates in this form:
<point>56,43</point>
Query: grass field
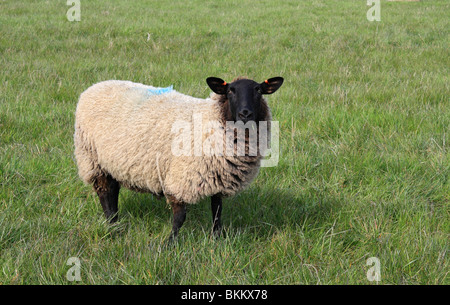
<point>364,136</point>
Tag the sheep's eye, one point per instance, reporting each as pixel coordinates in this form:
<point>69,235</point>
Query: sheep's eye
<point>258,89</point>
<point>231,90</point>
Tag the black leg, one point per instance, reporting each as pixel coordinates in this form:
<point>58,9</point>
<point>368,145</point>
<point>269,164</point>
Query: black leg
<point>179,216</point>
<point>216,208</point>
<point>107,189</point>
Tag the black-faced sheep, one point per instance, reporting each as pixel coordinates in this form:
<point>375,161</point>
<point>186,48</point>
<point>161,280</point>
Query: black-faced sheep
<point>125,135</point>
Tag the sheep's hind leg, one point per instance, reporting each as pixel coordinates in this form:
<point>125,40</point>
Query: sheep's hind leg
<point>216,208</point>
<point>107,189</point>
<point>179,216</point>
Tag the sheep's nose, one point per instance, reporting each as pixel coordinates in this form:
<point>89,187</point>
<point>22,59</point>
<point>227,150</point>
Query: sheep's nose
<point>245,115</point>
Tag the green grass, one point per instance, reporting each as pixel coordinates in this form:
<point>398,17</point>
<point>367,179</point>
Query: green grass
<point>364,134</point>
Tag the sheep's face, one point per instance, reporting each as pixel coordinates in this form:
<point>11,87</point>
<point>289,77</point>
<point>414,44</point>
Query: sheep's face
<point>244,95</point>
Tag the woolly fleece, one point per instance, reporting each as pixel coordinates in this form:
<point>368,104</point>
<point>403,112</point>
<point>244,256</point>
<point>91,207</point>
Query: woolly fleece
<point>123,130</point>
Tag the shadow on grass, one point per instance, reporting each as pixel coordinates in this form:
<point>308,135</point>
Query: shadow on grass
<point>258,211</point>
<point>266,211</point>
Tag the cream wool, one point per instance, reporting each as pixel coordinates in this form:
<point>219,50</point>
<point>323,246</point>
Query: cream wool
<point>123,131</point>
<point>126,134</point>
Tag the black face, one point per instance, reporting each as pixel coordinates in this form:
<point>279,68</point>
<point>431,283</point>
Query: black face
<point>245,95</point>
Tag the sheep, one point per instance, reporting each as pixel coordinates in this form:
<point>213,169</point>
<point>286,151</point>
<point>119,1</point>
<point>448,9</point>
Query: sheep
<point>124,135</point>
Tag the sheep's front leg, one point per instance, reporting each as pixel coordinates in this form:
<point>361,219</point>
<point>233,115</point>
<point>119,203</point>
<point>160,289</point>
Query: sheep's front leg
<point>179,216</point>
<point>216,208</point>
<point>107,189</point>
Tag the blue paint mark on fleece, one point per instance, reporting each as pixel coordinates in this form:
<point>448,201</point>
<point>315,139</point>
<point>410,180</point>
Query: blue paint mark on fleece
<point>159,91</point>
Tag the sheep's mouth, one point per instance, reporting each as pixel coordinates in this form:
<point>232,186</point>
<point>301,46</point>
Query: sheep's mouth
<point>246,120</point>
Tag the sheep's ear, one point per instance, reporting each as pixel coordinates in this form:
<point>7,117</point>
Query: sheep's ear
<point>271,85</point>
<point>217,85</point>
